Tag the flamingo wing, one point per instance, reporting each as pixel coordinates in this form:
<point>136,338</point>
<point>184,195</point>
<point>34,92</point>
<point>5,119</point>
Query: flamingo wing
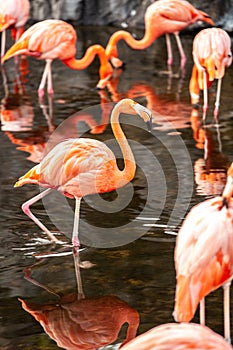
<point>49,39</point>
<point>75,167</point>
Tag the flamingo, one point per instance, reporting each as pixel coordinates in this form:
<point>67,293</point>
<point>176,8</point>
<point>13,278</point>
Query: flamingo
<point>204,256</point>
<point>178,336</point>
<point>13,14</point>
<point>211,55</point>
<point>161,17</point>
<point>78,167</point>
<point>55,39</point>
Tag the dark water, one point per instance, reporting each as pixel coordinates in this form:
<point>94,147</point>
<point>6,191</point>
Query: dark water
<point>129,235</point>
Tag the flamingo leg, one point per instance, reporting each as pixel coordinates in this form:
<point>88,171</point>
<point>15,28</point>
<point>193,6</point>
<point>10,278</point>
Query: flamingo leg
<point>202,312</point>
<point>44,78</point>
<point>78,274</point>
<point>27,211</point>
<point>217,102</point>
<point>169,50</point>
<point>226,303</point>
<point>205,93</point>
<point>50,82</point>
<point>181,50</point>
<point>75,239</point>
<point>3,43</point>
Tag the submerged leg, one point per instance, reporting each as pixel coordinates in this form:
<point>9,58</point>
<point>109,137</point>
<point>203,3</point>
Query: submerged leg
<point>217,102</point>
<point>27,211</point>
<point>226,303</point>
<point>202,312</point>
<point>75,239</point>
<point>78,274</point>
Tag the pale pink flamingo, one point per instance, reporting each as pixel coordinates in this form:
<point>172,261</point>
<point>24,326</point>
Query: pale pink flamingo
<point>78,167</point>
<point>55,39</point>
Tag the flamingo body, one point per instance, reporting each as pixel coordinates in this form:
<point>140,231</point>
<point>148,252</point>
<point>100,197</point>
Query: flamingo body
<point>13,13</point>
<point>161,17</point>
<point>204,252</point>
<point>211,55</point>
<point>55,39</point>
<point>78,167</point>
<point>181,336</point>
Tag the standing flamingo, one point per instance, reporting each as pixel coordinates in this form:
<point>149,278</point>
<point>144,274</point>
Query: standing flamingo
<point>204,256</point>
<point>161,17</point>
<point>78,167</point>
<point>177,337</point>
<point>13,14</point>
<point>55,39</point>
<point>211,55</point>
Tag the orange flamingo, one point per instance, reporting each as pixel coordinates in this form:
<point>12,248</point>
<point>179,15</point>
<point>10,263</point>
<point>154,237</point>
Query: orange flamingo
<point>78,322</point>
<point>211,55</point>
<point>178,336</point>
<point>78,167</point>
<point>204,256</point>
<point>55,39</point>
<point>161,17</point>
<point>13,14</point>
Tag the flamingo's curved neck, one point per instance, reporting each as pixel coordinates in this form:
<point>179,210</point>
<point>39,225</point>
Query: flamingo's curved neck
<point>130,167</point>
<point>88,58</point>
<point>140,44</point>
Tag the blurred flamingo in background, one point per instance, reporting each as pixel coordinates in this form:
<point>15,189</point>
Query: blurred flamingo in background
<point>161,17</point>
<point>78,322</point>
<point>78,167</point>
<point>211,55</point>
<point>204,256</point>
<point>13,14</point>
<point>55,39</point>
<point>178,336</point>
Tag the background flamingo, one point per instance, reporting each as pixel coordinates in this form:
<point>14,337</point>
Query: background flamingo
<point>178,336</point>
<point>78,167</point>
<point>55,39</point>
<point>13,14</point>
<point>211,55</point>
<point>161,17</point>
<point>204,255</point>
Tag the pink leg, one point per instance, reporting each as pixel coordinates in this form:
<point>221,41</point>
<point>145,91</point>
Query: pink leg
<point>217,102</point>
<point>50,82</point>
<point>169,50</point>
<point>44,78</point>
<point>181,51</point>
<point>205,92</point>
<point>3,43</point>
<point>226,303</point>
<point>27,211</point>
<point>75,239</point>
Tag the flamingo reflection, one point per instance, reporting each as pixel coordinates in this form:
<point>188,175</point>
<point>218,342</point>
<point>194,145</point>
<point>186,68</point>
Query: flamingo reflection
<point>76,322</point>
<point>211,170</point>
